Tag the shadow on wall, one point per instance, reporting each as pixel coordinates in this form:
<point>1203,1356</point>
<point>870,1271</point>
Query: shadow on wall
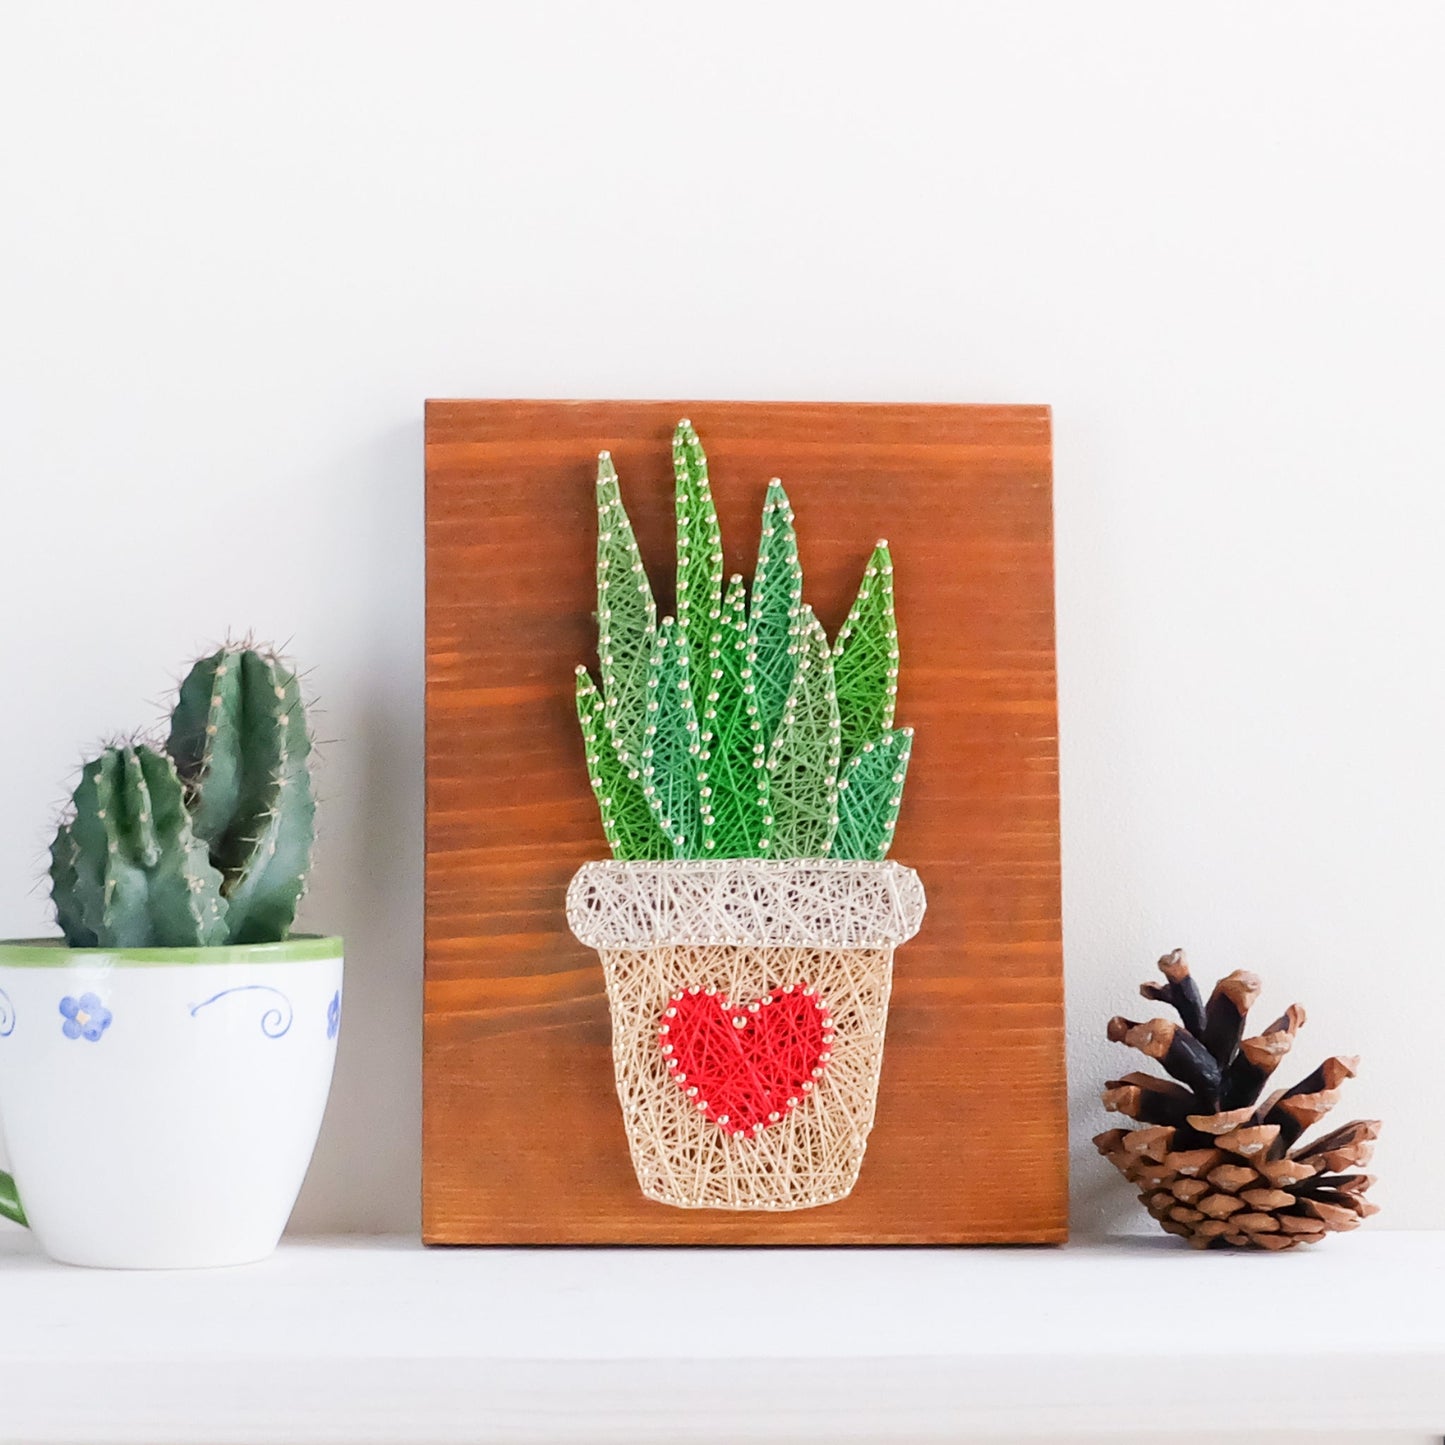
<point>368,883</point>
<point>1100,1203</point>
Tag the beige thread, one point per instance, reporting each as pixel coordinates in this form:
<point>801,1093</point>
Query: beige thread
<point>744,928</point>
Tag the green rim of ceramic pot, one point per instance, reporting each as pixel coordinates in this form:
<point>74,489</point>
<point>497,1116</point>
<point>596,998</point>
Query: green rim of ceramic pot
<point>52,953</point>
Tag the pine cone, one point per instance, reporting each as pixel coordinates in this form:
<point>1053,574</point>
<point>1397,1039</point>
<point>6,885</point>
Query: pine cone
<point>1215,1164</point>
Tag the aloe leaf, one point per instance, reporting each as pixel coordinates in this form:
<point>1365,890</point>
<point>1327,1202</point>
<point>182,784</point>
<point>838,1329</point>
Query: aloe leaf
<point>626,617</point>
<point>671,752</point>
<point>734,780</point>
<point>699,549</point>
<point>865,657</point>
<point>628,822</point>
<point>803,760</point>
<point>870,791</point>
<point>775,611</point>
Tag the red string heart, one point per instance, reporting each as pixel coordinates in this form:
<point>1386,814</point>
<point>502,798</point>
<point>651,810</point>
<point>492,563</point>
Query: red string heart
<point>745,1066</point>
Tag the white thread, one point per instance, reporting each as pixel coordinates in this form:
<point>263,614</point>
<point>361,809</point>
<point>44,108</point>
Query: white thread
<point>747,902</point>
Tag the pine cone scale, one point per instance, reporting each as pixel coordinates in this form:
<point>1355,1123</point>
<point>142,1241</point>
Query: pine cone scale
<point>1268,1198</point>
<point>1233,1177</point>
<point>1221,1206</point>
<point>1213,1163</point>
<point>1285,1171</point>
<point>1219,1123</point>
<point>1196,1163</point>
<point>1249,1143</point>
<point>1186,1191</point>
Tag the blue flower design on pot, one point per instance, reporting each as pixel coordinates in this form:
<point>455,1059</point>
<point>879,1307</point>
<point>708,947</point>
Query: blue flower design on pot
<point>7,1015</point>
<point>333,1015</point>
<point>85,1017</point>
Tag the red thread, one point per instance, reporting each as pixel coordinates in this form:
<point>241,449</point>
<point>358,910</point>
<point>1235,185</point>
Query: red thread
<point>745,1066</point>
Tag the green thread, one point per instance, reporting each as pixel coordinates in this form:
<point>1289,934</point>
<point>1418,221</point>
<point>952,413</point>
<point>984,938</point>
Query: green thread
<point>735,778</point>
<point>869,793</point>
<point>671,751</point>
<point>626,617</point>
<point>865,657</point>
<point>803,760</point>
<point>627,820</point>
<point>699,550</point>
<point>776,608</point>
<point>734,730</point>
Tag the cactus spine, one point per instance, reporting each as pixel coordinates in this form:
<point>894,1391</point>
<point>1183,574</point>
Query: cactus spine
<point>239,739</point>
<point>128,870</point>
<point>206,843</point>
<point>735,730</point>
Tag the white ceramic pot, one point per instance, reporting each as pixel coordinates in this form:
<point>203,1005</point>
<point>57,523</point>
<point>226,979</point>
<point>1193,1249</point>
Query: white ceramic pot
<point>159,1107</point>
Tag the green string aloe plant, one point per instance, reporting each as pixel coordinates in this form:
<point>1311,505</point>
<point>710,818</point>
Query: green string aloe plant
<point>749,776</point>
<point>734,729</point>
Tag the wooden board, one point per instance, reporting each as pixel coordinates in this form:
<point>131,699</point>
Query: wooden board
<point>522,1136</point>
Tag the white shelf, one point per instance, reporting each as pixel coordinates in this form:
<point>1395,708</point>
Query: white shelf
<point>364,1341</point>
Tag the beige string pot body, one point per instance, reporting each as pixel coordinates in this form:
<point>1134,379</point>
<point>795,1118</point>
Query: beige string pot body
<point>746,933</point>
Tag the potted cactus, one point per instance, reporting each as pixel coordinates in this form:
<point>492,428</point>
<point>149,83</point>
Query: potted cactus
<point>749,775</point>
<point>164,1066</point>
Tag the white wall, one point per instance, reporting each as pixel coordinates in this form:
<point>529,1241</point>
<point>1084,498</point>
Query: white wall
<point>240,244</point>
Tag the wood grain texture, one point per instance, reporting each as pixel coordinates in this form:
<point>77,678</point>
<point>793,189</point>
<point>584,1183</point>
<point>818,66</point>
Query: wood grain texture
<point>522,1136</point>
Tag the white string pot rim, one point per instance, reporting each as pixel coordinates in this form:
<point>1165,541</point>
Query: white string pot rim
<point>745,902</point>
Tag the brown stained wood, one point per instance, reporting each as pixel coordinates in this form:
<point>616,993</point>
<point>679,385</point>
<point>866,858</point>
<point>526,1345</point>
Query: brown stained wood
<point>522,1137</point>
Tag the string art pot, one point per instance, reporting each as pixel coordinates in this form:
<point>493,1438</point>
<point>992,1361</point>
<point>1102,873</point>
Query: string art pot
<point>749,1000</point>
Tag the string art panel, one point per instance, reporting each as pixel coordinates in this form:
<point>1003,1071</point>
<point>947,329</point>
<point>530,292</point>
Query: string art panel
<point>737,1014</point>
